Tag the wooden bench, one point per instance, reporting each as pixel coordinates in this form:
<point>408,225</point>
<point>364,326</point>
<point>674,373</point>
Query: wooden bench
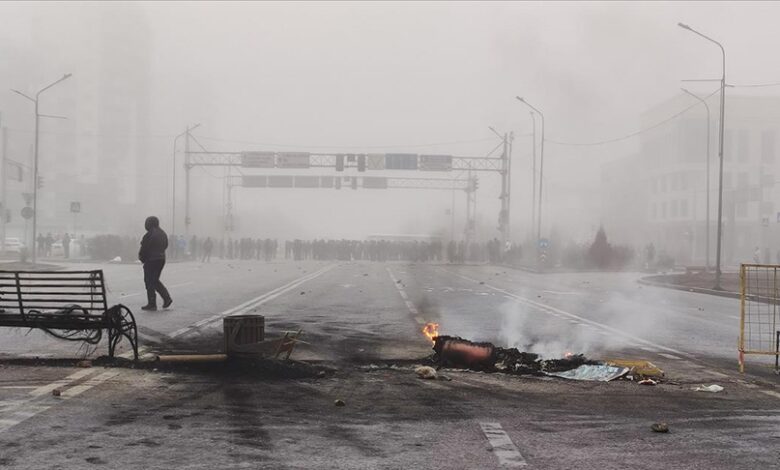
<point>70,305</point>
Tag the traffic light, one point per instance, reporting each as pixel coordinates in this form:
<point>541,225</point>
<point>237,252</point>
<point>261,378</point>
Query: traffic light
<point>40,181</point>
<point>339,163</point>
<point>361,163</point>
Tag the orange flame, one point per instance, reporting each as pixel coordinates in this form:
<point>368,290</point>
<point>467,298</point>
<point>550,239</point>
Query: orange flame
<point>431,330</point>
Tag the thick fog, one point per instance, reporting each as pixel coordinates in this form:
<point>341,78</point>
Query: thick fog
<point>371,78</point>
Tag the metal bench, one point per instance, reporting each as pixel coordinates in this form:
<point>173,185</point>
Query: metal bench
<point>69,305</point>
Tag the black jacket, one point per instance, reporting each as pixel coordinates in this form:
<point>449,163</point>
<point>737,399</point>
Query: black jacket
<point>154,243</point>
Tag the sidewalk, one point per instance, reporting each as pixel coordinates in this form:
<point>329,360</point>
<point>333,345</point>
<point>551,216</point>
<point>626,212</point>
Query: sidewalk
<point>702,283</point>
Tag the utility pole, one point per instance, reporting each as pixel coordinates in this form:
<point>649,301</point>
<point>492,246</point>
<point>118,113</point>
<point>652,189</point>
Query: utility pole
<point>720,153</point>
<point>533,175</point>
<point>4,149</point>
<point>38,116</point>
<point>173,196</point>
<point>187,169</point>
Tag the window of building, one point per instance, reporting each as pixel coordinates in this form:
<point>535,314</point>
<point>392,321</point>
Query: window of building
<point>768,146</point>
<point>684,208</point>
<point>743,145</point>
<point>726,181</point>
<point>683,181</point>
<point>654,211</point>
<point>662,181</point>
<point>743,180</point>
<point>674,209</point>
<point>742,209</point>
<point>674,181</point>
<point>728,142</point>
<point>663,210</point>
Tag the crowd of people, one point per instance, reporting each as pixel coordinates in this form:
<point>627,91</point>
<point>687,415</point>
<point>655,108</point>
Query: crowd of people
<point>203,248</point>
<point>45,245</point>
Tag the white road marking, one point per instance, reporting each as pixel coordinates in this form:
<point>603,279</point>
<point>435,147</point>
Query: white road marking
<point>40,399</point>
<point>669,356</point>
<point>771,393</point>
<point>504,449</point>
<point>551,309</point>
<point>409,305</point>
<point>92,382</point>
<point>45,389</point>
<point>253,303</point>
<point>717,374</point>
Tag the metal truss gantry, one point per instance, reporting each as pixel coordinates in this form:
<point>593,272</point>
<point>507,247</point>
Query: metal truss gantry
<point>348,161</point>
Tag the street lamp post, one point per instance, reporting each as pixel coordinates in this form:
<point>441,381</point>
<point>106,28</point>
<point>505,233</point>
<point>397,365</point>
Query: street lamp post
<point>720,154</point>
<point>533,174</point>
<point>38,116</point>
<point>541,171</point>
<point>173,196</point>
<point>707,107</point>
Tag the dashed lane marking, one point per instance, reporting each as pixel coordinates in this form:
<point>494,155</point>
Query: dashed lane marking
<point>409,305</point>
<point>250,304</point>
<point>717,374</point>
<point>503,448</point>
<point>670,356</point>
<point>771,393</point>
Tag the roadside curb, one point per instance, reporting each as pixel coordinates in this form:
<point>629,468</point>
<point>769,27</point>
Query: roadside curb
<point>649,281</point>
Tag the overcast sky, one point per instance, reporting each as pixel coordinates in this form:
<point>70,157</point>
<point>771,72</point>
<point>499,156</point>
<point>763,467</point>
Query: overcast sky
<point>395,76</point>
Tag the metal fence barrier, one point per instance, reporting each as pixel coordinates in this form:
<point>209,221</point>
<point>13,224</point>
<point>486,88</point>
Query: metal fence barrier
<point>759,322</point>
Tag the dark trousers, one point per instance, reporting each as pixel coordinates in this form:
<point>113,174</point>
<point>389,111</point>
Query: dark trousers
<point>152,271</point>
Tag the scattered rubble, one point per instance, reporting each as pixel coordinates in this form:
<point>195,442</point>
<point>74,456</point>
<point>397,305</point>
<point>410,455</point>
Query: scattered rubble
<point>709,388</point>
<point>425,372</point>
<point>339,402</point>
<point>660,427</point>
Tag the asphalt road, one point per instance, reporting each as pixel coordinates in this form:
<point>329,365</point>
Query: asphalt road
<point>361,324</point>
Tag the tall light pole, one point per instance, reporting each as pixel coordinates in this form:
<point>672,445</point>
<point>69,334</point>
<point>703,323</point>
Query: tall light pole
<point>38,116</point>
<point>720,153</point>
<point>707,107</point>
<point>541,170</point>
<point>533,174</point>
<point>173,197</point>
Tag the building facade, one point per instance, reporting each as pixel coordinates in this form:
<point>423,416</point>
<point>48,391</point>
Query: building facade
<point>660,195</point>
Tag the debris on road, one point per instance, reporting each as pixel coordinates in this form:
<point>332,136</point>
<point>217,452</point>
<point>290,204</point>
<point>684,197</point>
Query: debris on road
<point>425,372</point>
<point>592,372</point>
<point>638,368</point>
<point>339,402</point>
<point>709,388</point>
<point>660,427</point>
<point>85,364</point>
<point>56,392</point>
<point>459,353</point>
<point>647,382</point>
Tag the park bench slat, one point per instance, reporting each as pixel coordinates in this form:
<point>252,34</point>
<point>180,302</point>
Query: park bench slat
<point>72,301</point>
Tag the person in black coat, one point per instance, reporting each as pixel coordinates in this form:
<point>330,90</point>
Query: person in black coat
<point>152,255</point>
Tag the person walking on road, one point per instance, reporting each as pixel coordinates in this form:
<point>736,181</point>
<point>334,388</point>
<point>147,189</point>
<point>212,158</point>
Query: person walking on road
<point>208,245</point>
<point>152,255</point>
<point>66,245</point>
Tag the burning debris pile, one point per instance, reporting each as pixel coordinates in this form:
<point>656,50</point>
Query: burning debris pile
<point>459,353</point>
